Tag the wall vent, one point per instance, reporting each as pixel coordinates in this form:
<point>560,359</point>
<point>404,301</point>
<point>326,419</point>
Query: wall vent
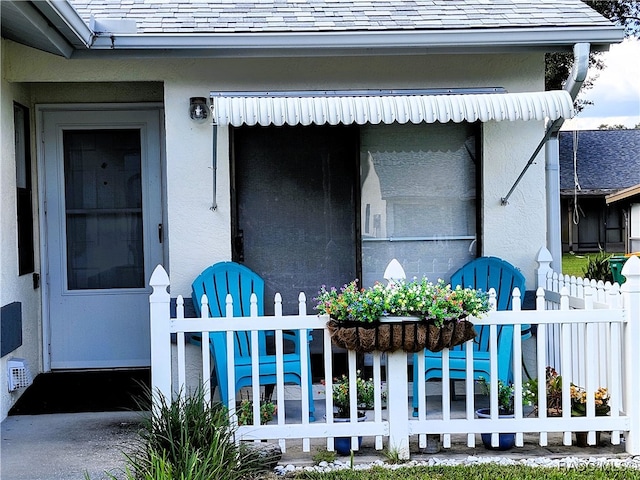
<point>19,374</point>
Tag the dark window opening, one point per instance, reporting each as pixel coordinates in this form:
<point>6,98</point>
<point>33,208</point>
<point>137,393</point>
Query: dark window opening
<point>26,263</point>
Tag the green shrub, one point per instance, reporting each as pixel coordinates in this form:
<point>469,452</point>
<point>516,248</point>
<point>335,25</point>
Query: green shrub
<point>324,456</point>
<point>190,439</point>
<point>598,267</point>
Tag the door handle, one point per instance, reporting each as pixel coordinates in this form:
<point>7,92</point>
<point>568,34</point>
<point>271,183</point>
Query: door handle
<point>160,233</point>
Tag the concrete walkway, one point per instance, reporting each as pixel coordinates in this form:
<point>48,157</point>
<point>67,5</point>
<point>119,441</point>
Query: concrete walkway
<point>66,446</point>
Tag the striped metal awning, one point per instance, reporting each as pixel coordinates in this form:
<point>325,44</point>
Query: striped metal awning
<point>252,108</point>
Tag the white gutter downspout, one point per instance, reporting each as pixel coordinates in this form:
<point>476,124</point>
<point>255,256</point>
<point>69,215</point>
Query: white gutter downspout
<point>552,168</point>
<point>552,153</point>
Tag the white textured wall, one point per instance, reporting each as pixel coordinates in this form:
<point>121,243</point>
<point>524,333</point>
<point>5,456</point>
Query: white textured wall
<point>198,236</point>
<point>514,232</point>
<point>15,288</point>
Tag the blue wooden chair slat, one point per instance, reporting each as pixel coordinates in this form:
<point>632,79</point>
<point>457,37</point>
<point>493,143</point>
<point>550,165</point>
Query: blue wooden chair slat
<point>232,278</point>
<point>482,273</point>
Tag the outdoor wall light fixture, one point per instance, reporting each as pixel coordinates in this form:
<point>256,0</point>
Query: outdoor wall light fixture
<point>198,108</point>
<point>198,111</point>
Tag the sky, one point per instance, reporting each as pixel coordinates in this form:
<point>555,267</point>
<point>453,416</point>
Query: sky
<point>616,91</point>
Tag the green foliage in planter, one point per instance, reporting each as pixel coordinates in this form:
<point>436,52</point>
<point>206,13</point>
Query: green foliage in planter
<point>553,385</point>
<point>245,412</point>
<point>554,396</point>
<point>505,395</point>
<point>437,302</point>
<point>598,267</point>
<point>365,390</point>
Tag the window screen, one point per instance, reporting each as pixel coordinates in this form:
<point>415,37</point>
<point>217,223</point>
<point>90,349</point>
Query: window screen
<point>418,198</point>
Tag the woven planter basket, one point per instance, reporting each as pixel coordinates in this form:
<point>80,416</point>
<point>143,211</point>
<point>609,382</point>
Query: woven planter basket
<point>408,336</point>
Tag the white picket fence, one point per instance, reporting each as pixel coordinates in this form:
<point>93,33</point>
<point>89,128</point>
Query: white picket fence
<point>615,330</point>
<point>582,294</point>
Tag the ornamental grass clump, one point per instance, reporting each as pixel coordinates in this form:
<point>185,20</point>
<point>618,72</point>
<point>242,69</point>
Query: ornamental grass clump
<point>189,438</point>
<point>433,302</point>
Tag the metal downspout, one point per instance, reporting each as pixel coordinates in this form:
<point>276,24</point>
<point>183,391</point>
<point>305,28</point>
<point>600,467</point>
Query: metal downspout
<point>552,154</point>
<point>552,168</point>
<point>214,156</point>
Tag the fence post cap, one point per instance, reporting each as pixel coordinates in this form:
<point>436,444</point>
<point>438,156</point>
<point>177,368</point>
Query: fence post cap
<point>159,277</point>
<point>631,271</point>
<point>394,271</point>
<point>631,266</point>
<point>544,255</point>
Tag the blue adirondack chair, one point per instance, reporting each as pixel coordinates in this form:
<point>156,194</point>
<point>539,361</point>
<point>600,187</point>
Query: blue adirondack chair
<point>232,278</point>
<point>482,273</point>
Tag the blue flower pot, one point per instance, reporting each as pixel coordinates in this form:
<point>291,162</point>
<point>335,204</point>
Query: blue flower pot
<point>343,445</point>
<point>506,440</point>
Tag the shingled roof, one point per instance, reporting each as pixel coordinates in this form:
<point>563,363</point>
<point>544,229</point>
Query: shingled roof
<point>226,16</point>
<point>260,28</point>
<point>607,160</point>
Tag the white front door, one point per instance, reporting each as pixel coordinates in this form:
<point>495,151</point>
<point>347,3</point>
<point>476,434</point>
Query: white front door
<point>103,234</point>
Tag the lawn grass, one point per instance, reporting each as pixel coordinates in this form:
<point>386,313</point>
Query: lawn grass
<point>476,472</point>
<point>575,264</point>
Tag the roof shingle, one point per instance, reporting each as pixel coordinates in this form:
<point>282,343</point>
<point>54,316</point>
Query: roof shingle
<point>263,16</point>
<point>606,159</point>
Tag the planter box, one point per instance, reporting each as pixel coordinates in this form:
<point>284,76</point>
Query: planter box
<point>410,336</point>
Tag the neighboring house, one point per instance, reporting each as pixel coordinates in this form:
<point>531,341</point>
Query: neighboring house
<point>344,134</point>
<point>594,164</point>
<point>628,200</point>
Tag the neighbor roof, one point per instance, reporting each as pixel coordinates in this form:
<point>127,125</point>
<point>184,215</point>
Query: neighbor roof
<point>607,160</point>
<point>630,194</point>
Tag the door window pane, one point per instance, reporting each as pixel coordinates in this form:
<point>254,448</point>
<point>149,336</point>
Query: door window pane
<point>103,205</point>
<point>418,198</point>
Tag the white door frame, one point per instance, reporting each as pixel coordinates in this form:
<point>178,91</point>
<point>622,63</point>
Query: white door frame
<point>40,109</point>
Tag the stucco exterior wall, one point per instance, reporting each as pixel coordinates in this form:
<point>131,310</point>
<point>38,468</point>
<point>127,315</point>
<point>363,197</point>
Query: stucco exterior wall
<point>14,287</point>
<point>189,189</point>
<point>198,236</point>
<point>206,233</point>
<point>516,231</point>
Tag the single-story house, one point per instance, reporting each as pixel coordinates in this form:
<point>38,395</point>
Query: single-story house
<point>628,200</point>
<point>311,140</point>
<point>593,165</point>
